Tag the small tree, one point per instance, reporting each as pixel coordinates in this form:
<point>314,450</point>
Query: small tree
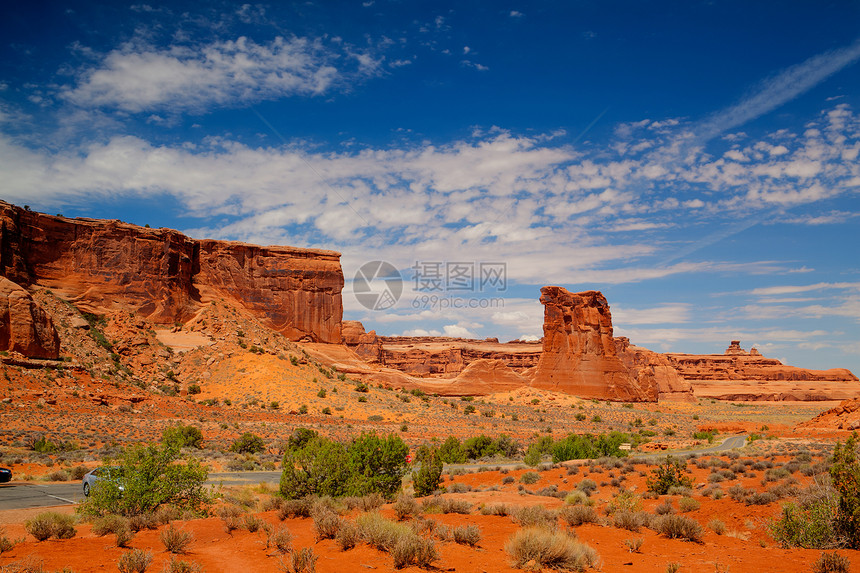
<point>150,478</point>
<point>429,473</point>
<point>668,474</point>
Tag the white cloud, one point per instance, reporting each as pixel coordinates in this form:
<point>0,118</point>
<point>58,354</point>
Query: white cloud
<point>139,77</point>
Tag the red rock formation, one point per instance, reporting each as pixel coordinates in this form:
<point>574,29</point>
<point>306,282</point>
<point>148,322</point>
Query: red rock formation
<point>579,352</point>
<point>164,276</point>
<point>651,368</point>
<point>365,344</point>
<point>738,375</point>
<point>845,416</point>
<point>24,325</point>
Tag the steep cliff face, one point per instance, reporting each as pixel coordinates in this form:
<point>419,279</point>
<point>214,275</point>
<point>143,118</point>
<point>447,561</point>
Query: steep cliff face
<point>25,327</point>
<point>165,277</point>
<point>650,368</point>
<point>365,344</point>
<point>579,354</point>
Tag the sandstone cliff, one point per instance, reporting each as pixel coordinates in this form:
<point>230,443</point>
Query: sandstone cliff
<point>845,416</point>
<point>579,355</point>
<point>25,327</point>
<point>165,277</point>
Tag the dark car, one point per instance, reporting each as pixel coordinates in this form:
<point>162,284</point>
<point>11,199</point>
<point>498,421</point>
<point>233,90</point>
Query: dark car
<point>111,473</point>
<point>5,475</point>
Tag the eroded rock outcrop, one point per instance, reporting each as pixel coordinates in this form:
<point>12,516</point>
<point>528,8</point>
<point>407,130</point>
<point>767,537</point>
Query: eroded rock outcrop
<point>579,354</point>
<point>164,276</point>
<point>446,356</point>
<point>845,416</point>
<point>365,344</point>
<point>651,368</point>
<point>25,327</point>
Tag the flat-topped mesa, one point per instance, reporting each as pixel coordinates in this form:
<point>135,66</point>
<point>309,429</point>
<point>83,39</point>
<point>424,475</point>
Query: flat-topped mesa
<point>166,277</point>
<point>579,354</point>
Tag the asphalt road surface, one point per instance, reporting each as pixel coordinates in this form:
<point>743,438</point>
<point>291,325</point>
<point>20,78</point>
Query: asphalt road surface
<point>23,496</point>
<point>27,495</point>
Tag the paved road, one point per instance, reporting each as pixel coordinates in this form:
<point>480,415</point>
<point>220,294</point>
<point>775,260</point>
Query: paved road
<point>730,443</point>
<point>27,495</point>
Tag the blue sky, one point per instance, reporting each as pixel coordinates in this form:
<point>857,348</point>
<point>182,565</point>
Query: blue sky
<point>695,161</point>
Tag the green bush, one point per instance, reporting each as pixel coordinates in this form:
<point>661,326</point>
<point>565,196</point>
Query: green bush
<point>152,478</point>
<point>428,476</point>
<point>248,443</point>
<point>324,467</point>
<point>530,478</point>
<point>667,475</point>
<point>183,436</point>
<point>589,446</point>
<point>451,451</point>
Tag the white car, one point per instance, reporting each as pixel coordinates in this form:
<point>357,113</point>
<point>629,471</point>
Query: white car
<point>112,473</point>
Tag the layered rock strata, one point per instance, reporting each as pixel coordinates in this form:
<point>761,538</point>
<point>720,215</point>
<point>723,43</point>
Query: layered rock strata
<point>579,354</point>
<point>166,277</point>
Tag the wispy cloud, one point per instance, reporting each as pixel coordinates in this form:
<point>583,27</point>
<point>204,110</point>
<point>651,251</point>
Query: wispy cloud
<point>777,90</point>
<point>140,77</point>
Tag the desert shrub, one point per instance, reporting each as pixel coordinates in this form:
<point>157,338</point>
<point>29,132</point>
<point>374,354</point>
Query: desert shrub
<point>575,515</point>
<point>7,544</point>
<point>535,515</point>
<point>664,508</point>
<point>379,532</point>
<point>831,563</point>
<point>413,550</point>
<point>625,501</point>
<point>688,504</point>
<point>248,443</point>
<point>405,506</point>
<point>634,544</point>
<point>134,561</point>
<point>535,545</point>
<point>183,436</point>
<point>760,498</point>
<point>367,502</point>
<point>143,521</point>
<point>347,535</point>
<point>667,475</point>
<point>175,540</point>
<point>253,523</point>
<point>151,478</point>
<point>51,524</point>
<point>629,520</point>
<point>459,506</point>
<point>529,478</point>
<point>717,526</point>
<point>324,467</point>
<point>467,534</point>
<point>281,539</point>
<point>304,560</point>
<point>178,566</point>
<point>295,508</point>
<point>678,527</point>
<point>116,524</point>
<point>588,486</point>
<point>231,515</point>
<point>811,523</point>
<point>326,524</point>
